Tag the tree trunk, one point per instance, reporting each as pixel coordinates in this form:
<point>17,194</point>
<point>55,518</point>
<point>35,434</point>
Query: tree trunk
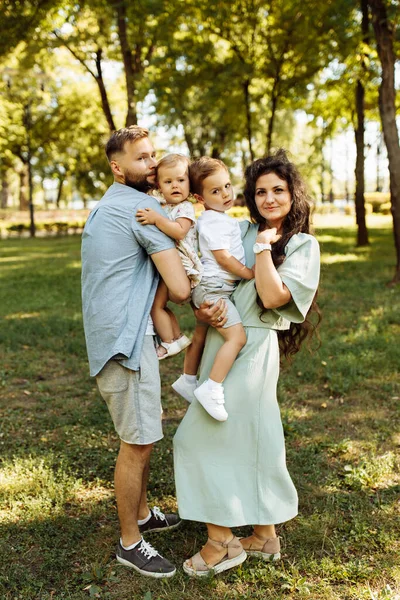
<point>131,115</point>
<point>362,231</point>
<point>61,180</point>
<point>103,92</point>
<point>274,104</point>
<point>189,142</point>
<point>23,188</point>
<point>384,37</point>
<point>246,86</point>
<point>359,130</point>
<point>4,191</point>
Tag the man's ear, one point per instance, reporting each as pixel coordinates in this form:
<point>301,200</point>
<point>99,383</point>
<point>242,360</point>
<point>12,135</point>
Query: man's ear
<point>115,168</point>
<point>199,198</point>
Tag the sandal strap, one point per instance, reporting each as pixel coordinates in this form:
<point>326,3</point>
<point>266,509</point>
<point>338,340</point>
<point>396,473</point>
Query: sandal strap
<point>198,563</point>
<point>234,547</point>
<point>271,545</point>
<point>263,539</point>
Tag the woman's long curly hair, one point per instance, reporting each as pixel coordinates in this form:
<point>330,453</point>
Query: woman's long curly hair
<point>296,221</point>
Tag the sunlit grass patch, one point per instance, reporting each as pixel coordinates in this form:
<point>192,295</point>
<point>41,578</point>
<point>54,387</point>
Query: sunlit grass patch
<point>330,259</point>
<point>30,488</point>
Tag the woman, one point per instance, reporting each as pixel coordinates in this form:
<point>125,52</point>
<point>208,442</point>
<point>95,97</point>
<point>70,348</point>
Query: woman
<point>234,473</point>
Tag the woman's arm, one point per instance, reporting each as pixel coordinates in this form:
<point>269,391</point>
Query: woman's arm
<point>270,287</point>
<point>177,230</point>
<point>231,264</point>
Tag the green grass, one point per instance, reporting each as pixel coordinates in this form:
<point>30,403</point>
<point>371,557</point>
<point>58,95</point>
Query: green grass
<point>340,407</point>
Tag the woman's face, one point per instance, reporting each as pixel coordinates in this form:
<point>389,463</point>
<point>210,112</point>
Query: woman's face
<point>273,199</point>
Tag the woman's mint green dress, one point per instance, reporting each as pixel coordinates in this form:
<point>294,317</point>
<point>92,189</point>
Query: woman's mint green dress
<point>234,473</point>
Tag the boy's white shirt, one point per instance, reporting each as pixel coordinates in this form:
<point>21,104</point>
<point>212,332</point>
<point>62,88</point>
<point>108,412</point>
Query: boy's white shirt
<point>218,231</point>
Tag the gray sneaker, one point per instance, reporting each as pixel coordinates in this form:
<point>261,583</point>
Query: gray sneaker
<point>160,521</point>
<point>145,560</point>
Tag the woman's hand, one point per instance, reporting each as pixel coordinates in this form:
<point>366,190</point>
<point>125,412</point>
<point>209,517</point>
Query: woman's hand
<point>268,236</point>
<point>146,216</point>
<point>212,314</point>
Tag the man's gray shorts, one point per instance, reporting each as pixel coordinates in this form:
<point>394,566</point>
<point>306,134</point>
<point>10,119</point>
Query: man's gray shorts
<point>212,288</point>
<point>134,397</point>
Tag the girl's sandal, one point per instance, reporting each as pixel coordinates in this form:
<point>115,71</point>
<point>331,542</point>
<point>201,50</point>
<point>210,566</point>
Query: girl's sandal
<point>271,549</point>
<point>170,349</point>
<point>174,347</point>
<point>235,555</point>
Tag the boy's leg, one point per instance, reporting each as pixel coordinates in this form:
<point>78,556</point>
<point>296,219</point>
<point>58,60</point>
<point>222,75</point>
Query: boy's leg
<point>235,339</point>
<point>195,351</point>
<point>210,393</point>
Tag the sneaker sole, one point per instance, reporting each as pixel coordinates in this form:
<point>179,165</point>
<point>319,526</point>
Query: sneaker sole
<point>126,563</point>
<point>219,568</point>
<point>159,529</point>
<point>264,555</point>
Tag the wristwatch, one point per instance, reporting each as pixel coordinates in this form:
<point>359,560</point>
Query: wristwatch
<point>257,248</point>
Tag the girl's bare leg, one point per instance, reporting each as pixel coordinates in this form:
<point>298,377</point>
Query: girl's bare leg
<point>176,330</point>
<point>195,350</point>
<point>161,317</point>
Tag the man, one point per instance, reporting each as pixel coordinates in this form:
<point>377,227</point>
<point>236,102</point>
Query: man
<point>120,264</point>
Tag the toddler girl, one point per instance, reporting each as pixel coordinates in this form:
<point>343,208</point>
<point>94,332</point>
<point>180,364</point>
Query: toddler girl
<point>173,182</point>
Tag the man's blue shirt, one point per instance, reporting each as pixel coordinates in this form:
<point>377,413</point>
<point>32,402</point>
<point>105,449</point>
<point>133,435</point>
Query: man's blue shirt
<point>119,279</point>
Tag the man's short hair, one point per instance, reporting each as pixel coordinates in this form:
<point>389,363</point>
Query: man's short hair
<point>119,138</point>
<point>202,168</point>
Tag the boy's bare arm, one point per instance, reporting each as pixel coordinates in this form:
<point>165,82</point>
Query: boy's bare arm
<point>231,264</point>
<point>169,265</point>
<point>177,230</point>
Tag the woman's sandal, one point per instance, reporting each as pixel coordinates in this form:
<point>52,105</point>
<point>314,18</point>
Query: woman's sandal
<point>271,549</point>
<point>174,347</point>
<point>235,555</point>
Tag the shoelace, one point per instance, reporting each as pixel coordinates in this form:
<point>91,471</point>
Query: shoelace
<point>157,513</point>
<point>147,550</point>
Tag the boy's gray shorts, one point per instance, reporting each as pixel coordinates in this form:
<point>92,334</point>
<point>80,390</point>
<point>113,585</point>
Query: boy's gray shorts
<point>211,288</point>
<point>134,397</point>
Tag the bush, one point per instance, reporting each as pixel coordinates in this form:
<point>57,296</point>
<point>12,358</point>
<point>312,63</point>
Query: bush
<point>386,208</point>
<point>18,228</point>
<point>376,199</point>
<point>349,210</point>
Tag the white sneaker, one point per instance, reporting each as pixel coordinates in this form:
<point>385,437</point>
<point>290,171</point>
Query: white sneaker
<point>212,400</point>
<point>184,388</point>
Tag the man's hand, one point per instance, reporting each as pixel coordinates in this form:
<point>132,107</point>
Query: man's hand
<point>212,314</point>
<point>146,216</point>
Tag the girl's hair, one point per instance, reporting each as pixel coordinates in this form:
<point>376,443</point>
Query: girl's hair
<point>202,168</point>
<point>171,160</point>
<point>296,221</point>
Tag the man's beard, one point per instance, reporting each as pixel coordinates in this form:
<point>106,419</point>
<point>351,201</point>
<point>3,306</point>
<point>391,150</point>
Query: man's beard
<point>139,183</point>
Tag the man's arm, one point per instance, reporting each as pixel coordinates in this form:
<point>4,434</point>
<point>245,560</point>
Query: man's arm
<point>169,265</point>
